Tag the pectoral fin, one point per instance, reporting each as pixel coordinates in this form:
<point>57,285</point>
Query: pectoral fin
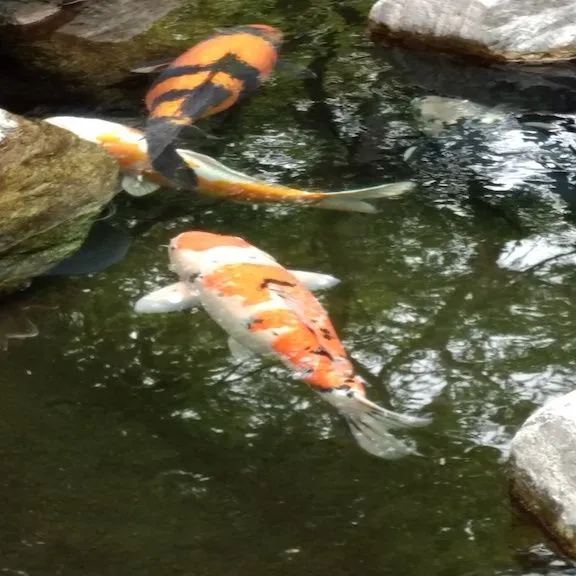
<point>315,280</point>
<point>173,298</point>
<point>153,66</point>
<point>238,351</point>
<point>294,69</point>
<point>138,186</point>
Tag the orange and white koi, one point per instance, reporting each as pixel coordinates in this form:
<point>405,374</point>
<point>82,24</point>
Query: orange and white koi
<point>128,146</point>
<point>269,310</point>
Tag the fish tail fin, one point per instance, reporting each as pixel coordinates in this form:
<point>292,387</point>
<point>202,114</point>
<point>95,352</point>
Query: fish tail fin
<point>355,200</point>
<point>161,137</point>
<point>370,425</point>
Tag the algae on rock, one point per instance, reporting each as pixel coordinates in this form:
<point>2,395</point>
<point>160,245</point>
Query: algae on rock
<point>52,185</point>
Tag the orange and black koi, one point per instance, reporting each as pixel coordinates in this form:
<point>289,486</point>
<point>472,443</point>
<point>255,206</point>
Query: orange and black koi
<point>207,79</point>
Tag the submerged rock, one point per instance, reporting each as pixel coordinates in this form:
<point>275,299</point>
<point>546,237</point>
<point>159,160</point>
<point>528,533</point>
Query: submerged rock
<point>512,154</point>
<point>542,469</point>
<point>117,20</point>
<point>522,86</point>
<point>102,21</point>
<point>53,185</point>
<point>505,30</point>
<point>84,50</point>
<point>106,244</point>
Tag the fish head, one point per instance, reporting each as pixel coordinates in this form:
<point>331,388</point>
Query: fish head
<point>190,252</point>
<point>94,129</point>
<point>130,153</point>
<point>126,144</point>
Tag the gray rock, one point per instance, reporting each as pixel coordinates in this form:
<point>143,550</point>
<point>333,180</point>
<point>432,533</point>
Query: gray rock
<point>25,14</point>
<point>117,20</point>
<point>84,49</point>
<point>102,21</point>
<point>521,159</point>
<point>517,30</point>
<point>542,469</point>
<point>52,185</point>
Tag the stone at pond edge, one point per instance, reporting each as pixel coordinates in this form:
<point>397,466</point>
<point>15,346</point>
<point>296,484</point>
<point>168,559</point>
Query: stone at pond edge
<point>52,185</point>
<point>542,469</point>
<point>511,30</point>
<point>85,51</point>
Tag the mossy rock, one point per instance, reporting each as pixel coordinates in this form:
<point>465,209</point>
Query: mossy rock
<point>52,186</point>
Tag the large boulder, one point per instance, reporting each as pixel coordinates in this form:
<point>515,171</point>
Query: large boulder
<point>52,185</point>
<point>83,51</point>
<point>542,469</point>
<point>102,21</point>
<point>511,30</point>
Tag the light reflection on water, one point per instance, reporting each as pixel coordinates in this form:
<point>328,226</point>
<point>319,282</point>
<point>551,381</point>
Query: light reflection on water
<point>136,444</point>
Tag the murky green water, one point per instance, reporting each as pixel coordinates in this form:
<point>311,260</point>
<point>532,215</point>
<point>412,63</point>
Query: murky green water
<point>136,445</point>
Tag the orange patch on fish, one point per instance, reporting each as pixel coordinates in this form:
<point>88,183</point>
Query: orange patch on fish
<point>201,241</point>
<point>251,49</point>
<point>128,154</point>
<point>256,282</point>
<point>131,157</point>
<point>255,192</point>
<point>251,280</point>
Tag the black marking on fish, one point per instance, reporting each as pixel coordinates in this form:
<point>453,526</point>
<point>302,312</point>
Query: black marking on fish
<point>253,321</point>
<point>199,100</point>
<point>228,64</point>
<point>170,96</point>
<point>268,281</point>
<point>160,137</point>
<point>326,333</point>
<point>179,71</point>
<point>322,352</point>
<point>237,68</point>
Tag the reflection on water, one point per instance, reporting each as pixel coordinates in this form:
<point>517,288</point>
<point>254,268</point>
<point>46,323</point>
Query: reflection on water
<point>540,253</point>
<point>136,445</point>
<point>15,324</point>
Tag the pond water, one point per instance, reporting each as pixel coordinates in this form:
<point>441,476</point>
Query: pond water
<point>137,445</point>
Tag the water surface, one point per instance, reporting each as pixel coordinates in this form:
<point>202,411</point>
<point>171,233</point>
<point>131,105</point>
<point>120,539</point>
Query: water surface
<point>137,445</point>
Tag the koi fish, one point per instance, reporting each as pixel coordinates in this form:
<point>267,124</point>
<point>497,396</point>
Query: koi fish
<point>207,79</point>
<point>128,146</point>
<point>269,310</point>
